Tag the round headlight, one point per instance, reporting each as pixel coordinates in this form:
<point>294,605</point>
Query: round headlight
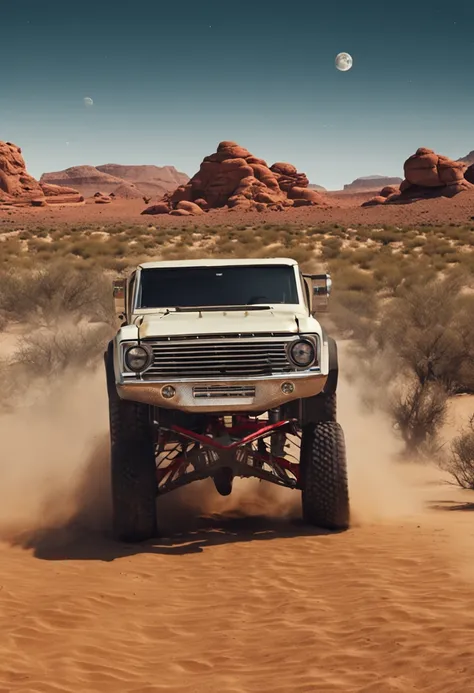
<point>137,358</point>
<point>302,353</point>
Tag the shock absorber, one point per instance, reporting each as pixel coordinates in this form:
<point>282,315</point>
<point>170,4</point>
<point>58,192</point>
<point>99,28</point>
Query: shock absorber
<point>277,440</point>
<point>274,415</point>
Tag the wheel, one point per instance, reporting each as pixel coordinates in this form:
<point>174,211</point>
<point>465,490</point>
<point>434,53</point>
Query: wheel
<point>325,493</point>
<point>320,408</point>
<point>132,462</point>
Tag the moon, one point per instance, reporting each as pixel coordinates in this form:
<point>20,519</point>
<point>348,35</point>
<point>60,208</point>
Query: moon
<point>343,62</point>
<point>88,101</point>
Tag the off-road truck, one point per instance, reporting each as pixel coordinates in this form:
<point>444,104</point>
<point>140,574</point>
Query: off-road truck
<point>221,369</point>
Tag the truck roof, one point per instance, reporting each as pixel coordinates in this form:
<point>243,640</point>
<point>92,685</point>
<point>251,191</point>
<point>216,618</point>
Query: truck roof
<point>217,263</point>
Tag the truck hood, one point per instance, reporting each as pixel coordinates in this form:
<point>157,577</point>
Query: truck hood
<point>225,322</point>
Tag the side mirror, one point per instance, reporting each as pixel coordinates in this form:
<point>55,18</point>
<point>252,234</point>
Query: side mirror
<point>322,285</point>
<point>120,298</point>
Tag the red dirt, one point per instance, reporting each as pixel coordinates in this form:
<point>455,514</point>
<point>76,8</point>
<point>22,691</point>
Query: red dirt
<point>346,210</point>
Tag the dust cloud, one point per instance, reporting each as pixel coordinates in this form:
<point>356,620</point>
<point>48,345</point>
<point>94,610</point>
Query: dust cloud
<point>54,467</point>
<point>46,447</point>
<point>381,487</point>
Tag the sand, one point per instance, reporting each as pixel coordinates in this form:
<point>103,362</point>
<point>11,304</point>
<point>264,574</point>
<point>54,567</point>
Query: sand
<point>345,209</point>
<point>240,598</point>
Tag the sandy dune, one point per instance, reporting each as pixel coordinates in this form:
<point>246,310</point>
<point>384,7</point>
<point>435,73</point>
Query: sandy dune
<point>243,599</point>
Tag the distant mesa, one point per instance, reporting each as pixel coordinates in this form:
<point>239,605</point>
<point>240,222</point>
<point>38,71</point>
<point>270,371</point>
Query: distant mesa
<point>468,159</point>
<point>235,180</point>
<point>318,188</point>
<point>128,182</point>
<point>368,183</point>
<point>427,175</point>
<point>17,187</point>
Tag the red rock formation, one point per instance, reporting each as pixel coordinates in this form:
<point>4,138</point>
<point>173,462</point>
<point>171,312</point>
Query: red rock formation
<point>469,174</point>
<point>427,175</point>
<point>18,187</point>
<point>147,180</point>
<point>233,178</point>
<point>127,191</point>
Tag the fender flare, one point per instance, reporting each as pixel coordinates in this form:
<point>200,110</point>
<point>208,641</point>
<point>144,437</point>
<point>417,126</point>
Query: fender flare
<point>333,376</point>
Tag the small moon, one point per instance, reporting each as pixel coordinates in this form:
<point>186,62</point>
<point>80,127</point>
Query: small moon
<point>88,101</point>
<point>343,62</point>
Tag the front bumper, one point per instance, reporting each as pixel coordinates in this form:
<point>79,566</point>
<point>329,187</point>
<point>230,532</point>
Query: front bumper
<point>224,396</point>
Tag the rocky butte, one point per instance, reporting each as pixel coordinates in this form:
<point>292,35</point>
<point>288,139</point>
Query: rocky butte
<point>368,183</point>
<point>427,175</point>
<point>17,187</point>
<point>126,182</point>
<point>232,178</point>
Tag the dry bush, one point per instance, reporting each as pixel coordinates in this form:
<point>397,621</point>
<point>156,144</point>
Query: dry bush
<point>419,411</point>
<point>46,353</point>
<point>57,290</point>
<point>461,463</point>
<point>386,236</point>
<point>430,329</point>
<point>349,278</point>
<point>330,248</point>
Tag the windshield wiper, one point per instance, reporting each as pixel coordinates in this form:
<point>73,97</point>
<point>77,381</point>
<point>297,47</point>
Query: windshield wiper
<point>198,309</point>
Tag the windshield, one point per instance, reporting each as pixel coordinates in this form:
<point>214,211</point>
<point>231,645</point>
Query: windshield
<point>217,286</point>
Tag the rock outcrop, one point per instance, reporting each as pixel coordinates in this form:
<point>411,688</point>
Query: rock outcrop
<point>234,179</point>
<point>147,180</point>
<point>127,191</point>
<point>468,159</point>
<point>427,175</point>
<point>17,187</point>
<point>368,183</point>
<point>469,174</point>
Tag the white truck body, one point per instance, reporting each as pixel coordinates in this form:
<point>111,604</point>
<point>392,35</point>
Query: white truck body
<point>220,358</point>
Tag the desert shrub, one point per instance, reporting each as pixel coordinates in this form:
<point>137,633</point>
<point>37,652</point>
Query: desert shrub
<point>418,411</point>
<point>317,231</point>
<point>353,279</point>
<point>461,462</point>
<point>330,248</point>
<point>386,236</point>
<point>416,242</point>
<point>430,330</point>
<point>364,257</point>
<point>396,273</point>
<point>44,354</point>
<point>54,291</point>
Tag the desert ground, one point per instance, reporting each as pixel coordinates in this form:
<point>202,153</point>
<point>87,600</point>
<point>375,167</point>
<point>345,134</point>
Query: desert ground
<point>238,596</point>
<point>346,209</point>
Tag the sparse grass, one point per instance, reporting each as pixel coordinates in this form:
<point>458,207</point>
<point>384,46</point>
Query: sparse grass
<point>117,246</point>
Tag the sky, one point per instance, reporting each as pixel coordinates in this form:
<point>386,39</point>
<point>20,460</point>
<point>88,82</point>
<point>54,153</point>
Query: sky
<point>169,81</point>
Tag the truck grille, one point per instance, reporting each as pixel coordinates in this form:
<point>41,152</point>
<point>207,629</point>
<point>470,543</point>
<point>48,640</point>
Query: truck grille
<point>194,358</point>
<point>221,391</point>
